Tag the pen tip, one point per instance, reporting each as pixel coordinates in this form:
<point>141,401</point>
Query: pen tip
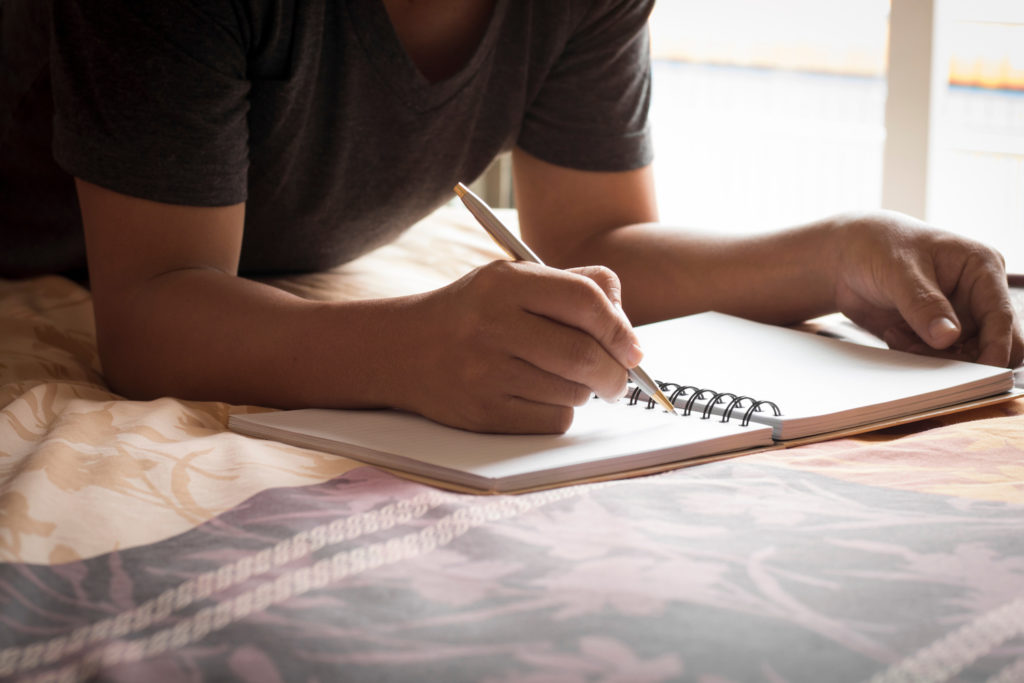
<point>665,403</point>
<point>460,189</point>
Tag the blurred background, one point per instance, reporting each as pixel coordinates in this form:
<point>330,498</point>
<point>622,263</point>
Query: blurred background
<point>771,113</point>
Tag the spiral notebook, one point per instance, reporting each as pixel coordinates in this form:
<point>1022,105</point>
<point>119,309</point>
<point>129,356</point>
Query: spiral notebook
<point>740,386</point>
<point>805,385</point>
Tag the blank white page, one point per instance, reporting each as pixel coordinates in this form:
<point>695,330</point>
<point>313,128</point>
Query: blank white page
<point>821,384</point>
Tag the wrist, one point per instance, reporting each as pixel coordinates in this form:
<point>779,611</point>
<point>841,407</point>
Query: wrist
<point>837,247</point>
<point>349,354</point>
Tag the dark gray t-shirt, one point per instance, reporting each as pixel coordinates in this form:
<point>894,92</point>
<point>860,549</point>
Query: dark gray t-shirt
<point>312,113</point>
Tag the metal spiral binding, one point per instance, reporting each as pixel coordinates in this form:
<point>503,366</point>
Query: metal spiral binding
<point>675,391</point>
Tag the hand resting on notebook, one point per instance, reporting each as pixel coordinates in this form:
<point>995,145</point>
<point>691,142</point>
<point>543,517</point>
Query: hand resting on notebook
<point>926,291</point>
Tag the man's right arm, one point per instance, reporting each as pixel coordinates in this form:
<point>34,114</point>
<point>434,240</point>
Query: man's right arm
<point>509,347</point>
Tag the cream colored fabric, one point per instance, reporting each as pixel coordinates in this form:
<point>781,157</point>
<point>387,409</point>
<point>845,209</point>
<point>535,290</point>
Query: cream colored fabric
<point>84,471</point>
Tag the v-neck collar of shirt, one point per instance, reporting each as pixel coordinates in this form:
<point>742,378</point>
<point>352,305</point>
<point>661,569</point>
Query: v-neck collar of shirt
<point>385,52</point>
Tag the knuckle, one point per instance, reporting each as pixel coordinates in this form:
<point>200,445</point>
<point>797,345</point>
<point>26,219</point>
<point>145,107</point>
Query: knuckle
<point>558,419</point>
<point>594,301</point>
<point>618,334</point>
<point>501,274</point>
<point>586,291</point>
<point>485,415</point>
<point>1017,349</point>
<point>491,275</point>
<point>981,262</point>
<point>1004,317</point>
<point>508,418</point>
<point>607,273</point>
<point>579,394</point>
<point>603,276</point>
<point>926,299</point>
<point>586,355</point>
<point>473,372</point>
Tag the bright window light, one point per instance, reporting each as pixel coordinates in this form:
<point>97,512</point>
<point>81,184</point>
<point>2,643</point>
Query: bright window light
<point>772,113</point>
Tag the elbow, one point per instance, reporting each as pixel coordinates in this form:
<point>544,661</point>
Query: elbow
<point>125,371</point>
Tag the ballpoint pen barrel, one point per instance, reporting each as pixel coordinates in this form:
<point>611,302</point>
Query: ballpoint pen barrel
<point>648,385</point>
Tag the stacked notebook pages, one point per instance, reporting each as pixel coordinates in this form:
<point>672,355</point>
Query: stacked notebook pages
<point>740,386</point>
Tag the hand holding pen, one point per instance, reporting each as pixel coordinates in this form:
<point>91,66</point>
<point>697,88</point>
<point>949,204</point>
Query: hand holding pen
<point>519,251</point>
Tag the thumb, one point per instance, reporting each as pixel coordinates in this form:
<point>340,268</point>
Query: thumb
<point>926,309</point>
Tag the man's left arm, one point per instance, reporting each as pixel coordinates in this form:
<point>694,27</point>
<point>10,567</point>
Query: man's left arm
<point>917,288</point>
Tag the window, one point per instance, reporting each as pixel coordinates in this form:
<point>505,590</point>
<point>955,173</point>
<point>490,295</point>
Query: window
<point>769,114</point>
<point>976,180</point>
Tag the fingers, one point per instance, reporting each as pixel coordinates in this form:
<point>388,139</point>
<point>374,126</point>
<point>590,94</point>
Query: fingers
<point>604,278</point>
<point>568,326</point>
<point>989,333</point>
<point>975,275</point>
<point>513,415</point>
<point>511,408</point>
<point>516,346</point>
<point>535,385</point>
<point>1016,349</point>
<point>950,292</point>
<point>587,299</point>
<point>999,339</point>
<point>570,355</point>
<point>924,307</point>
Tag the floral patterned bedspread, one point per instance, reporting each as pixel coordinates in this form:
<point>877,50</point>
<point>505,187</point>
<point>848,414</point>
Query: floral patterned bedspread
<point>143,541</point>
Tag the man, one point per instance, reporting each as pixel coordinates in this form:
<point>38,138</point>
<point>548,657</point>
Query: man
<point>251,136</point>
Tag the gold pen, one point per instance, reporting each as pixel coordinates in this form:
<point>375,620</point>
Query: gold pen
<point>518,250</point>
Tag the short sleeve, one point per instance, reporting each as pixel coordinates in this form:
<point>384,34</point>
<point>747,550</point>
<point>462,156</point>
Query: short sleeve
<point>151,98</point>
<point>591,113</point>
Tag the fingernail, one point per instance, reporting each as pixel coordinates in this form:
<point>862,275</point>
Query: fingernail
<point>942,328</point>
<point>635,355</point>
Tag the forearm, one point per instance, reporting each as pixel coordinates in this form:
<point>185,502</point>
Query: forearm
<point>916,287</point>
<point>205,335</point>
<point>573,217</point>
<point>781,277</point>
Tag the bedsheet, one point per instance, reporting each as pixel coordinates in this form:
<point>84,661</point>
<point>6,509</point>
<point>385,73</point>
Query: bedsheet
<point>143,541</point>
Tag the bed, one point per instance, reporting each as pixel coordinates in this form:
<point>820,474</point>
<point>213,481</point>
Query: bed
<point>144,541</point>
